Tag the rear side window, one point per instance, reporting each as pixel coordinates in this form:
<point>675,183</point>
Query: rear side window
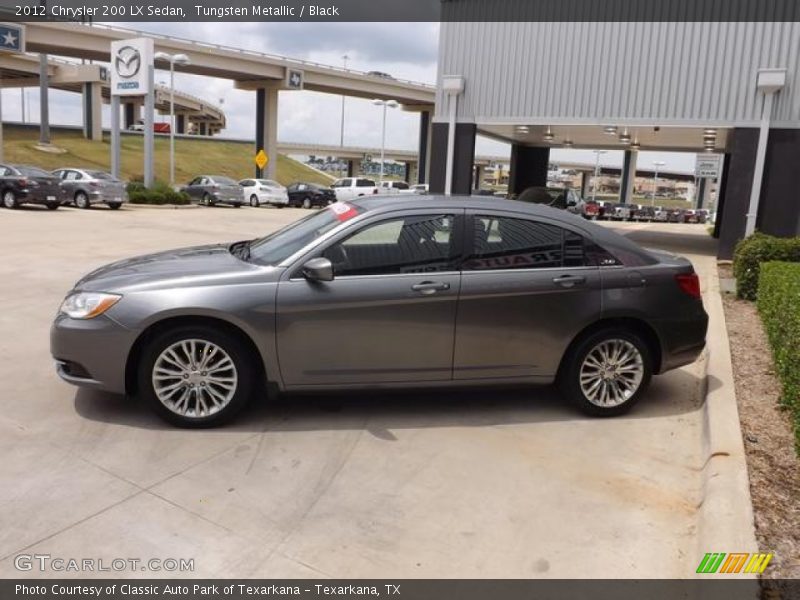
<point>365,183</point>
<point>508,243</point>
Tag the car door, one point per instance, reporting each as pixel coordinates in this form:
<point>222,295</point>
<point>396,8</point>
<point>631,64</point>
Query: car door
<point>528,287</point>
<point>389,313</point>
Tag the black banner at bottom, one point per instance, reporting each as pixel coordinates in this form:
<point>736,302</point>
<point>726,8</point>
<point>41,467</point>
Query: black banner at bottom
<point>406,589</point>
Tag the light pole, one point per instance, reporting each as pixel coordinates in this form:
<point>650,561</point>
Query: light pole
<point>657,164</point>
<point>172,59</point>
<point>345,58</point>
<point>597,154</point>
<point>385,104</point>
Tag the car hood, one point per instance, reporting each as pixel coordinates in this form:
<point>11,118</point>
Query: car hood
<point>185,267</point>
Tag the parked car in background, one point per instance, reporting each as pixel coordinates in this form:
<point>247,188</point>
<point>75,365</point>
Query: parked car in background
<point>675,215</point>
<point>264,191</point>
<point>23,184</point>
<point>309,195</point>
<point>349,188</point>
<point>395,187</point>
<point>84,187</point>
<point>661,215</point>
<point>412,292</point>
<point>695,216</point>
<point>644,213</point>
<point>702,215</point>
<point>157,127</point>
<point>214,189</point>
<point>419,188</point>
<point>620,212</point>
<point>591,210</point>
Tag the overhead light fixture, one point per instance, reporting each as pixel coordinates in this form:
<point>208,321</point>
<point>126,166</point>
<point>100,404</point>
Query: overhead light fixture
<point>625,137</point>
<point>635,145</point>
<point>523,128</point>
<point>709,149</point>
<point>548,136</point>
<point>568,144</point>
<point>610,130</point>
<point>710,131</point>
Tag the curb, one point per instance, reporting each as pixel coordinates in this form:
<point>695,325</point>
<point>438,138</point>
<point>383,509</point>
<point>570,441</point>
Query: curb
<point>161,206</point>
<point>725,514</point>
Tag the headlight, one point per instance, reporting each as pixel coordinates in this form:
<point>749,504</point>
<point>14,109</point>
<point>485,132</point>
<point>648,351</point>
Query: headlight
<point>87,305</point>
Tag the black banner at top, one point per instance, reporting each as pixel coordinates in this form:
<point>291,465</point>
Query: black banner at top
<point>399,10</point>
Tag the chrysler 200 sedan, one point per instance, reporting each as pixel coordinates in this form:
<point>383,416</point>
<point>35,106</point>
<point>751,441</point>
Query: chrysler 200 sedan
<point>386,292</point>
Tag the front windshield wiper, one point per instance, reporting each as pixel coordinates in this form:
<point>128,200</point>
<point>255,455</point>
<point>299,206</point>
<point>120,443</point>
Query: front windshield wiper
<point>241,249</point>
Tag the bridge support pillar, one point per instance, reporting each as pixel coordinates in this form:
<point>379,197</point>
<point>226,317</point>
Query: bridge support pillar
<point>180,123</point>
<point>267,129</point>
<point>584,185</point>
<point>202,128</point>
<point>479,174</point>
<point>92,111</point>
<point>412,172</point>
<point>528,168</point>
<point>424,154</point>
<point>628,176</point>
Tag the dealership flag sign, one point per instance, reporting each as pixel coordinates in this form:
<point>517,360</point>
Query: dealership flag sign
<point>130,66</point>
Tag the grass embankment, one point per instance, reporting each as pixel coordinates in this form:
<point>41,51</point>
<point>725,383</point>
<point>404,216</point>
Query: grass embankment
<point>195,156</point>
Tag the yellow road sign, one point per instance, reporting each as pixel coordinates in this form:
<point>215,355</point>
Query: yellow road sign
<point>262,160</point>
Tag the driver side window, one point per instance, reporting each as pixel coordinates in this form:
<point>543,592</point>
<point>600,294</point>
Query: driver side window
<point>414,244</point>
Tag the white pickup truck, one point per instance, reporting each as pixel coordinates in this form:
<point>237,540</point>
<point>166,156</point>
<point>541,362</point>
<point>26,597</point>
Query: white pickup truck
<point>348,188</point>
<point>395,187</point>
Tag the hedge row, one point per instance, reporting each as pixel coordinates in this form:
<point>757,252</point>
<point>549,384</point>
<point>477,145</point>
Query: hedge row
<point>779,306</point>
<point>158,193</point>
<point>754,250</point>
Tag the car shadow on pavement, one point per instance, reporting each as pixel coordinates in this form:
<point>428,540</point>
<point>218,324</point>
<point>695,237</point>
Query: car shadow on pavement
<point>379,412</point>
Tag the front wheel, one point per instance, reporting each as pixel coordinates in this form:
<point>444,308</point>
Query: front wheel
<point>10,199</point>
<point>196,376</point>
<point>82,200</point>
<point>254,201</point>
<point>307,202</point>
<point>607,372</point>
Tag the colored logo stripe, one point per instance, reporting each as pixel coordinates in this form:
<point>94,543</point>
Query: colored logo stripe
<point>734,563</point>
<point>758,563</point>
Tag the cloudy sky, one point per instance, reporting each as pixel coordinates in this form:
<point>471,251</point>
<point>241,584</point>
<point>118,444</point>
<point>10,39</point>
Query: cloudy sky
<point>405,50</point>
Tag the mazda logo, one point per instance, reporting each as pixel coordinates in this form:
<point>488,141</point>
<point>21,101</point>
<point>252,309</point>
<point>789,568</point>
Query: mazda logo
<point>127,62</point>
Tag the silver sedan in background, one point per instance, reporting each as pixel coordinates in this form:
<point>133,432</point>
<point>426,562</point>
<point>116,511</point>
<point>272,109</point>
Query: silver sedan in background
<point>84,187</point>
<point>386,292</point>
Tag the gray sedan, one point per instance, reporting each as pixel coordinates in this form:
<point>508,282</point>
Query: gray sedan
<point>400,292</point>
<point>85,187</point>
<point>210,190</point>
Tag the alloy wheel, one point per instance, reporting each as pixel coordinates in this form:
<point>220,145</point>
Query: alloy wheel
<point>611,372</point>
<point>9,200</point>
<point>194,378</point>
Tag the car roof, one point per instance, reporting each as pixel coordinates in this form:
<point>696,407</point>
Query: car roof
<point>602,235</point>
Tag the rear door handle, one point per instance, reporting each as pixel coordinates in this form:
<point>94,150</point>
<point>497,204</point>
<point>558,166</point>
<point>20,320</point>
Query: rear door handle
<point>569,281</point>
<point>430,287</point>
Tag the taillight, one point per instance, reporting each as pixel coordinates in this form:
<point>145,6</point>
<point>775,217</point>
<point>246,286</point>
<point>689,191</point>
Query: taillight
<point>93,184</point>
<point>23,182</point>
<point>689,284</point>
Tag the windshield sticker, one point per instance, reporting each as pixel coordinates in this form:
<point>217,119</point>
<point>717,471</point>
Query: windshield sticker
<point>343,211</point>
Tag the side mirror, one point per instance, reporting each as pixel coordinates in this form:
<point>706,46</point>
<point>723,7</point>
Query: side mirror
<point>318,269</point>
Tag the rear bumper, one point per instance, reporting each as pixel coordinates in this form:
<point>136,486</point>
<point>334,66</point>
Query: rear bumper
<point>682,340</point>
<point>39,195</point>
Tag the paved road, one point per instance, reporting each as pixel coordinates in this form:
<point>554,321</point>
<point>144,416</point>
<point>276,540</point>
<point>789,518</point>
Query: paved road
<point>489,484</point>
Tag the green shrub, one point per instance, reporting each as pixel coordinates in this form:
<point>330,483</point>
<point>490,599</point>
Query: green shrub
<point>779,307</point>
<point>158,193</point>
<point>754,250</point>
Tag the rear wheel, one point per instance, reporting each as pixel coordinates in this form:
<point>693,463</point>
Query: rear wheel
<point>607,372</point>
<point>307,202</point>
<point>10,199</point>
<point>196,376</point>
<point>114,205</point>
<point>254,200</point>
<point>82,200</point>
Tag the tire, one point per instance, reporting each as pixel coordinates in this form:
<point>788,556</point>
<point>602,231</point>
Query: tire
<point>207,201</point>
<point>52,205</point>
<point>82,201</point>
<point>615,393</point>
<point>183,406</point>
<point>307,203</point>
<point>10,199</point>
<point>254,201</point>
<point>237,205</point>
<point>114,205</point>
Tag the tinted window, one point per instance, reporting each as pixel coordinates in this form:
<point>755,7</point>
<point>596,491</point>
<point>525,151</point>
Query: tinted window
<point>224,180</point>
<point>506,243</point>
<point>400,185</point>
<point>416,244</point>
<point>33,172</point>
<point>246,183</point>
<point>101,175</point>
<point>365,183</point>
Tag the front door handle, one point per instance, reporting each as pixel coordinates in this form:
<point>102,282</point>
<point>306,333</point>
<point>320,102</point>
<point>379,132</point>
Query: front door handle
<point>430,287</point>
<point>569,281</point>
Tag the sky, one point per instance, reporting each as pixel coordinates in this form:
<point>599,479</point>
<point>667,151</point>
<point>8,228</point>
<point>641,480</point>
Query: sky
<point>404,50</point>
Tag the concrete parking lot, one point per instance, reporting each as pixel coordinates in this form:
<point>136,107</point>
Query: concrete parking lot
<point>479,484</point>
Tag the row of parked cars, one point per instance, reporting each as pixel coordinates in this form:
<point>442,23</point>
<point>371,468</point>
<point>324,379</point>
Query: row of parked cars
<point>613,211</point>
<point>24,184</point>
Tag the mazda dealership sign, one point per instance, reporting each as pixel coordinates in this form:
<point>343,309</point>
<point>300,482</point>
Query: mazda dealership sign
<point>130,66</point>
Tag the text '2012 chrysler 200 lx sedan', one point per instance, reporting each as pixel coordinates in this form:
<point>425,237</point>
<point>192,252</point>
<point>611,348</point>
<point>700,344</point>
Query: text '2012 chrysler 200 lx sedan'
<point>386,292</point>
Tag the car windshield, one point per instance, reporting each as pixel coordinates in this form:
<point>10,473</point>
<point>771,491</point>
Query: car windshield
<point>225,180</point>
<point>278,246</point>
<point>34,172</point>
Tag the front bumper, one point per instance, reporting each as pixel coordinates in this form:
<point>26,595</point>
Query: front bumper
<point>91,353</point>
